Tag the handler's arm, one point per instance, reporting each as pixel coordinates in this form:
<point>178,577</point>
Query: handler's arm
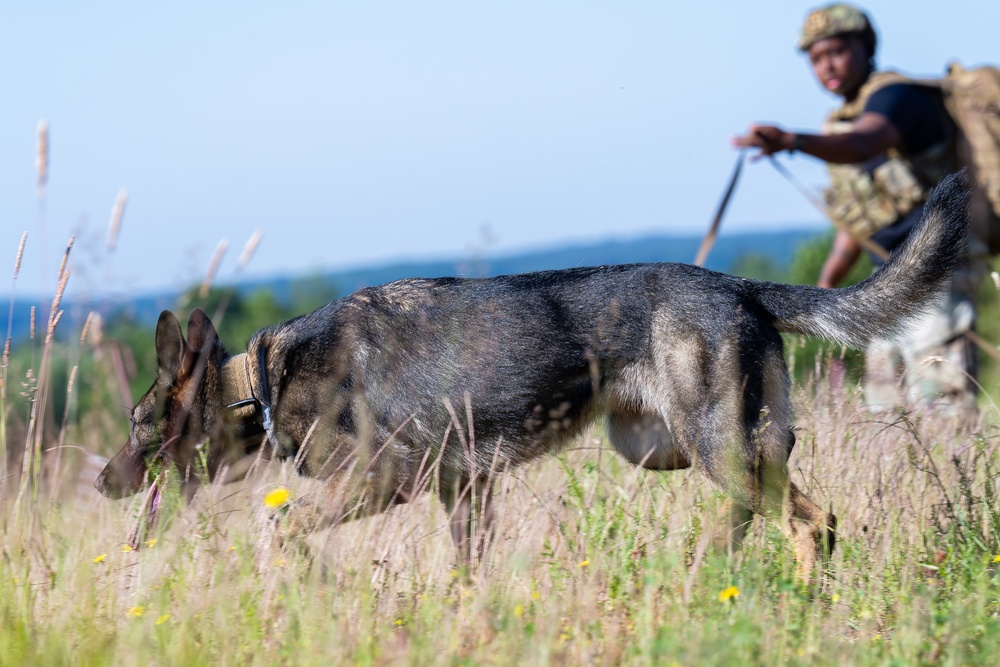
<point>843,254</point>
<point>871,136</point>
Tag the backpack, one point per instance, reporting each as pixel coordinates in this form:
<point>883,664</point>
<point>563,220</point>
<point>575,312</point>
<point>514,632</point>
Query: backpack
<point>972,98</point>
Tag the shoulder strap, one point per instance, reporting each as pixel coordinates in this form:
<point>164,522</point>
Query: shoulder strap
<point>876,81</point>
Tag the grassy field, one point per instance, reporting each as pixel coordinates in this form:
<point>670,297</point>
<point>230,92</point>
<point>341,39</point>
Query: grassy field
<point>595,562</point>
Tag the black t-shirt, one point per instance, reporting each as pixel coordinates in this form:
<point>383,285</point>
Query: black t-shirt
<point>919,116</point>
<point>915,111</point>
<point>892,237</point>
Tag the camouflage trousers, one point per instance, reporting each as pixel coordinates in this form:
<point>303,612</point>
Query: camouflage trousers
<point>935,365</point>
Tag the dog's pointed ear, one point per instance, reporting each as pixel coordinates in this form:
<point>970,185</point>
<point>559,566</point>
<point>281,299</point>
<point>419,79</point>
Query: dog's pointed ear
<point>202,335</point>
<point>169,345</point>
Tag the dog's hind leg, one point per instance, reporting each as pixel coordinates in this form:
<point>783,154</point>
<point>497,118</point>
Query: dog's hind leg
<point>469,503</point>
<point>771,440</point>
<point>643,439</point>
<point>812,531</point>
<point>747,459</point>
<point>763,486</point>
<point>735,518</point>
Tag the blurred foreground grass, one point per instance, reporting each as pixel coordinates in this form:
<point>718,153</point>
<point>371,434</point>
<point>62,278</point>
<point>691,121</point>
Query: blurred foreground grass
<point>595,562</point>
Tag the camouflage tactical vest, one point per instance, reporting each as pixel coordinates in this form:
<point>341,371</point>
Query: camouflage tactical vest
<point>869,197</point>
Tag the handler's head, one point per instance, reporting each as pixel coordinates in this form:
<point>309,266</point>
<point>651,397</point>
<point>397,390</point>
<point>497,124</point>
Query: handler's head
<point>837,20</point>
<point>840,42</point>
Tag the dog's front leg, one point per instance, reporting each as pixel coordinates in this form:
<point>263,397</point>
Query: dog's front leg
<point>340,498</point>
<point>469,503</point>
<point>346,496</point>
<point>732,523</point>
<point>297,519</point>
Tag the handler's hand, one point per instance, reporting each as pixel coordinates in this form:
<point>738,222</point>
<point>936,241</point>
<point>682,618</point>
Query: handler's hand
<point>769,139</point>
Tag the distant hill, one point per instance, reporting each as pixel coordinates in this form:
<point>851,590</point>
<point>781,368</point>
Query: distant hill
<point>778,247</point>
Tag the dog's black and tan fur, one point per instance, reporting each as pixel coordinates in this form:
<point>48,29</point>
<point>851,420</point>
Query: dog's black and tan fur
<point>470,376</point>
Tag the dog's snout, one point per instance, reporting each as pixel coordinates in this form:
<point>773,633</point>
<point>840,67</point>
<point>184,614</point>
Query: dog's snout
<point>122,476</point>
<point>105,485</point>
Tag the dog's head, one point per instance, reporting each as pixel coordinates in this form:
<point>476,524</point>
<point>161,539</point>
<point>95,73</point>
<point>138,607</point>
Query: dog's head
<point>181,422</point>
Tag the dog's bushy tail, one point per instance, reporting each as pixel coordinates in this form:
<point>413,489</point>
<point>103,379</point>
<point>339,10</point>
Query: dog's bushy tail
<point>908,284</point>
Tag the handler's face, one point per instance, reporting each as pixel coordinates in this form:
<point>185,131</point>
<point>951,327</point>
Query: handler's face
<point>839,63</point>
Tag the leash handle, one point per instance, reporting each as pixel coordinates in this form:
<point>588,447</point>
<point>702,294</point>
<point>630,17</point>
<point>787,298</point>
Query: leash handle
<point>713,229</point>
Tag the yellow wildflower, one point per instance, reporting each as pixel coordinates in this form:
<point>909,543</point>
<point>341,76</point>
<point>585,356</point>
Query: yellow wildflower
<point>996,559</point>
<point>277,498</point>
<point>729,594</point>
<point>535,595</point>
<point>835,598</point>
<point>126,548</point>
<point>519,610</point>
<point>136,611</point>
<point>100,559</point>
<point>163,619</point>
<point>151,542</point>
<point>584,563</point>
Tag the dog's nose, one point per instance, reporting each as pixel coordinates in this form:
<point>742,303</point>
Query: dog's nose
<point>111,483</point>
<point>101,484</point>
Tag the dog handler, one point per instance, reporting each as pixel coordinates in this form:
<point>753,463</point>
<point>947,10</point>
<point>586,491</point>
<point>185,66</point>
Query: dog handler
<point>886,146</point>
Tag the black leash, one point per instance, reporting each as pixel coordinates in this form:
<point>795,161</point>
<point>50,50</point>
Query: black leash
<point>262,404</point>
<point>713,230</point>
<point>268,421</point>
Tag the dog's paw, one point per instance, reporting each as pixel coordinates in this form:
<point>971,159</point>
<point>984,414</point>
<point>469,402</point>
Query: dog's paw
<point>293,521</point>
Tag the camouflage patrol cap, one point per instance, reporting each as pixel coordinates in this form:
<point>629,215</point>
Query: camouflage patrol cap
<point>836,19</point>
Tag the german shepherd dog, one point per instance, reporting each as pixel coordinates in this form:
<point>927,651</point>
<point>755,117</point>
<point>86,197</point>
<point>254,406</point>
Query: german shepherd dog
<point>466,377</point>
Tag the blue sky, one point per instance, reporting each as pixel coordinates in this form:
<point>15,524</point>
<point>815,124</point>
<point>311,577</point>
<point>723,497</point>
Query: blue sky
<point>361,132</point>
